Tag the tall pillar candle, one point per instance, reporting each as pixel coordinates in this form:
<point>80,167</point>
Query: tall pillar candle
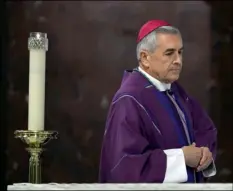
<point>37,45</point>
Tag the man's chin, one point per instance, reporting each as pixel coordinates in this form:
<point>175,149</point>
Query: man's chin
<point>173,78</point>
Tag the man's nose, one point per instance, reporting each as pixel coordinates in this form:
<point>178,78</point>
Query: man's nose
<point>178,59</point>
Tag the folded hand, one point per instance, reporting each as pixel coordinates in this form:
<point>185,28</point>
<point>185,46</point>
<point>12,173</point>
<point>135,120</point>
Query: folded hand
<point>206,159</point>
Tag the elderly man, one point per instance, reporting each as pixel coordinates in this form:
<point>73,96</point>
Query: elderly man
<point>155,132</point>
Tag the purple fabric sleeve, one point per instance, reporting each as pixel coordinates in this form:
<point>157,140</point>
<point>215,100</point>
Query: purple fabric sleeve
<point>126,154</point>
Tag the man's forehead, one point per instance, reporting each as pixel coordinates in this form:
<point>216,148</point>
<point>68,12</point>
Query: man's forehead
<point>168,37</point>
<point>167,40</point>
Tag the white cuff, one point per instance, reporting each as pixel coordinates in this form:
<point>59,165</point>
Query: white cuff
<point>176,171</point>
<point>210,170</point>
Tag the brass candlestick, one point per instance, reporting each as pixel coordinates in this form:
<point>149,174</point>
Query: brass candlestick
<point>35,141</point>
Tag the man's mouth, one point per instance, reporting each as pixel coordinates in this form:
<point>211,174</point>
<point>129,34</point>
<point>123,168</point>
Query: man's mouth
<point>176,70</point>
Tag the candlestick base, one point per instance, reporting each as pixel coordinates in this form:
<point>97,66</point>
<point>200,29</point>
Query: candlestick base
<point>35,141</point>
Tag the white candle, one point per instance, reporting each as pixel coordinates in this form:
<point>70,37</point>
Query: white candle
<point>37,45</point>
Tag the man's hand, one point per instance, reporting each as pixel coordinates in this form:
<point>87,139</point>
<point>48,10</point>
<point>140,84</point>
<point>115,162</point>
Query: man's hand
<point>193,155</point>
<point>205,160</point>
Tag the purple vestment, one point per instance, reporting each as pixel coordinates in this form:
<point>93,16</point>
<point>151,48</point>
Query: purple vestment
<point>139,128</point>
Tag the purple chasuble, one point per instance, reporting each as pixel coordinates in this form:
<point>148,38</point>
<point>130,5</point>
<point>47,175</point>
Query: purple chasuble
<point>139,128</point>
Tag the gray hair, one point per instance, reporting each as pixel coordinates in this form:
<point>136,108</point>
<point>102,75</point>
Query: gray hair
<point>149,42</point>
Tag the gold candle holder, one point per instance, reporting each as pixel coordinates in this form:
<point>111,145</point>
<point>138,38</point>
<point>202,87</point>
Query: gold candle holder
<point>35,141</point>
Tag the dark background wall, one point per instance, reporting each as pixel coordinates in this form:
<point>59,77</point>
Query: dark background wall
<point>90,44</point>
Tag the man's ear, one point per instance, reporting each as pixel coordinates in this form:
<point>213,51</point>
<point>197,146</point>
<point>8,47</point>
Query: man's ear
<point>144,58</point>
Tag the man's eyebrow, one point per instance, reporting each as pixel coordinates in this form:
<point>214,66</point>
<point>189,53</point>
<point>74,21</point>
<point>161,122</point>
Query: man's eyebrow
<point>172,49</point>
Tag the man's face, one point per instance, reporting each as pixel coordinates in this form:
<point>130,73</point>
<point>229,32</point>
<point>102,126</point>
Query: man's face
<point>165,63</point>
